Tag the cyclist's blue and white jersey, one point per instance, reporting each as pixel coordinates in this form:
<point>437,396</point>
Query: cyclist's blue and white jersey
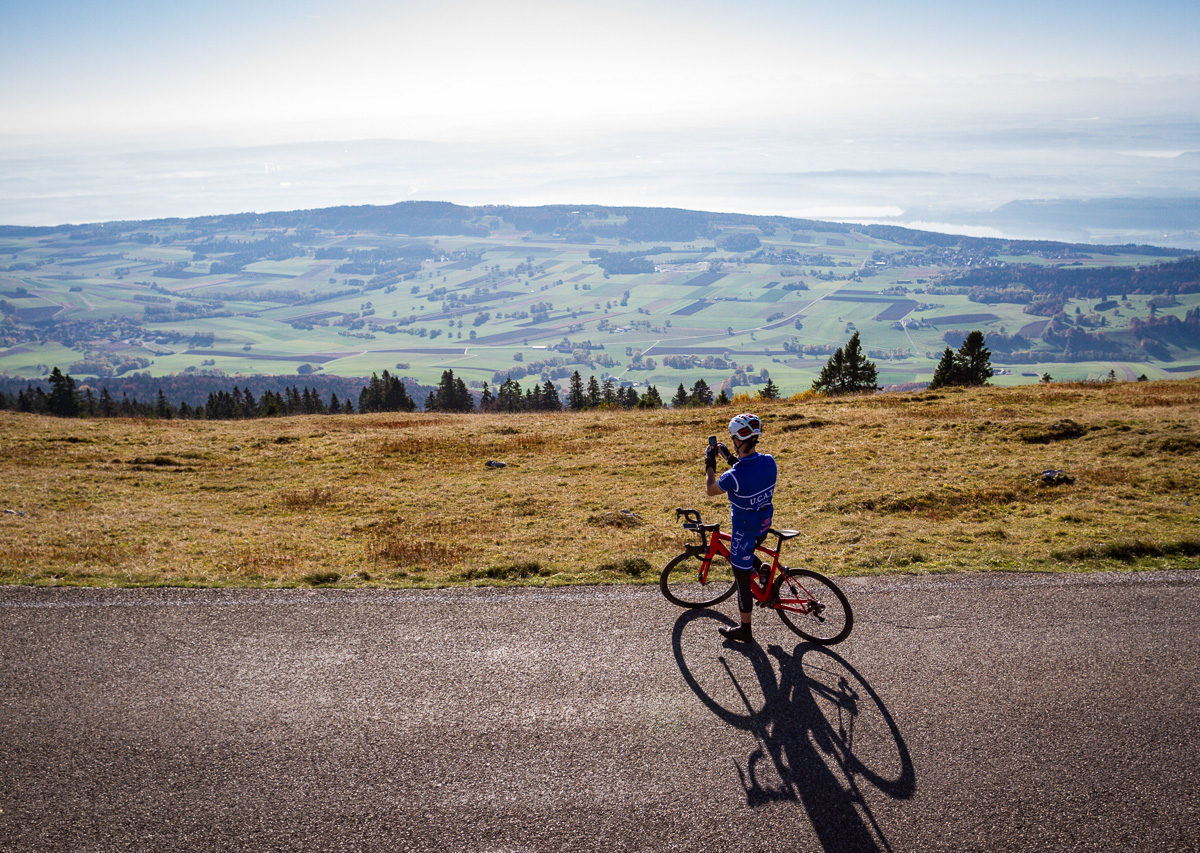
<point>750,484</point>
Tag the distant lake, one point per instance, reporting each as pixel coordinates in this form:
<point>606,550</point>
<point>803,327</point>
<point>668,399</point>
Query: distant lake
<point>1087,181</point>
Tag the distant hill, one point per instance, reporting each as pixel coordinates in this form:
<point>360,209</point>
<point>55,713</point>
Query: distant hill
<point>430,218</point>
<point>1163,214</point>
<point>641,295</point>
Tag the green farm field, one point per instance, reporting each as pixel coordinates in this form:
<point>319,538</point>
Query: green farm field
<point>532,293</point>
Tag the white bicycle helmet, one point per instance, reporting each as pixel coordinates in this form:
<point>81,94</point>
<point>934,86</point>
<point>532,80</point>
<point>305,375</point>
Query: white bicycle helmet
<point>745,426</point>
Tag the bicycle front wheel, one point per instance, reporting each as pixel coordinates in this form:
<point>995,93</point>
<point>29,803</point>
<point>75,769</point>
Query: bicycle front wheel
<point>680,581</point>
<point>812,605</point>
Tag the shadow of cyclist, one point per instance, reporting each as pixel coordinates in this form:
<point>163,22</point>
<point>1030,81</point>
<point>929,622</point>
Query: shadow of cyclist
<point>809,715</point>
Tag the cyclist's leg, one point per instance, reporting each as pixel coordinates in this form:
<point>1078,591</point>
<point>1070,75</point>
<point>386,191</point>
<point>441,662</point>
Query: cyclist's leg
<point>763,570</point>
<point>741,558</point>
<point>745,594</point>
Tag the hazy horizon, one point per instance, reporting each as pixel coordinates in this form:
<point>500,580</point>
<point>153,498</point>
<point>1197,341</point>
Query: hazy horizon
<point>1080,181</point>
<point>931,113</point>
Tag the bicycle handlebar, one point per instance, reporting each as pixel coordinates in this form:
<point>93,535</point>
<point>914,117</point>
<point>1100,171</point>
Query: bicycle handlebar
<point>692,515</point>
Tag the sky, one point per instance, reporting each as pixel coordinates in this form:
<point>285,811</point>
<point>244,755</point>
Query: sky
<point>274,71</point>
<point>918,112</point>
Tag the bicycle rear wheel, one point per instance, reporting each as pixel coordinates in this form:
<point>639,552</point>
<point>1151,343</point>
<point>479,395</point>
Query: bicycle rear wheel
<point>812,605</point>
<point>680,581</point>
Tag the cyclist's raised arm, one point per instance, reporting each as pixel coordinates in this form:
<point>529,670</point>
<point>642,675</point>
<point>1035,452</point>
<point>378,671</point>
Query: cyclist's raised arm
<point>710,468</point>
<point>711,486</point>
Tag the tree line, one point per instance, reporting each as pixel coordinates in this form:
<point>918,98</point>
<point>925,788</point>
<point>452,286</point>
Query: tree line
<point>1028,282</point>
<point>64,398</point>
<point>848,371</point>
<point>386,393</point>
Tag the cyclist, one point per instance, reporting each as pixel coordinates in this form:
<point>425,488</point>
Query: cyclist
<point>750,484</point>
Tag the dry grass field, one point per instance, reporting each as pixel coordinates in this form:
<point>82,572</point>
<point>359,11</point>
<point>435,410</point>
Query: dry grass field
<point>927,482</point>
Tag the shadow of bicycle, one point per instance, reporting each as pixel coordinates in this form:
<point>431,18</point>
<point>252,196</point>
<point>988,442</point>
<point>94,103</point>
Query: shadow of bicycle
<point>825,738</point>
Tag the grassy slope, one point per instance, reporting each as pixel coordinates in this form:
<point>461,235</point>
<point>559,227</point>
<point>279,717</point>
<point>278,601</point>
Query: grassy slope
<point>99,280</point>
<point>927,482</point>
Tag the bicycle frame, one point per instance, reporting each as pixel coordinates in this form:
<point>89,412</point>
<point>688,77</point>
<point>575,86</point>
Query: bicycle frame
<point>718,545</point>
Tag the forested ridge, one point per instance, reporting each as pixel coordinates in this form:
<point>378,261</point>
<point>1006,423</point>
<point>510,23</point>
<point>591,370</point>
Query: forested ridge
<point>430,218</point>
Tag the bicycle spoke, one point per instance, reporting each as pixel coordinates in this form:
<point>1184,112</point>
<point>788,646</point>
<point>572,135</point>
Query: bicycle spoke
<point>813,606</point>
<point>684,582</point>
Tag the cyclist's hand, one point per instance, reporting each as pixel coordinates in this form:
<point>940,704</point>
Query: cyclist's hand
<point>710,457</point>
<point>724,451</point>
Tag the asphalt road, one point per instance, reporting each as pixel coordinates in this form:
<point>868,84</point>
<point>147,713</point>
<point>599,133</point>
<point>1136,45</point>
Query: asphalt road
<point>964,713</point>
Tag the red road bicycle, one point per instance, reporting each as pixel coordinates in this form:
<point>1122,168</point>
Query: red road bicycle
<point>808,602</point>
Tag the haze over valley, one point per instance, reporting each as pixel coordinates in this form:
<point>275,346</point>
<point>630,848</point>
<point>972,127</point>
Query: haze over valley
<point>1061,122</point>
<point>1075,180</point>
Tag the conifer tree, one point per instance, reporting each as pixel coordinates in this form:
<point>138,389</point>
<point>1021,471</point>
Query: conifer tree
<point>394,396</point>
<point>509,397</point>
<point>486,400</point>
<point>975,361</point>
<point>945,373</point>
<point>550,398</point>
<point>701,394</point>
<point>971,365</point>
<point>860,373</point>
<point>593,393</point>
<point>770,391</point>
<point>370,399</point>
<point>722,399</point>
<point>463,401</point>
<point>650,399</point>
<point>63,400</point>
<point>108,406</point>
<point>451,395</point>
<point>576,397</point>
<point>847,371</point>
<point>681,397</point>
<point>272,404</point>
